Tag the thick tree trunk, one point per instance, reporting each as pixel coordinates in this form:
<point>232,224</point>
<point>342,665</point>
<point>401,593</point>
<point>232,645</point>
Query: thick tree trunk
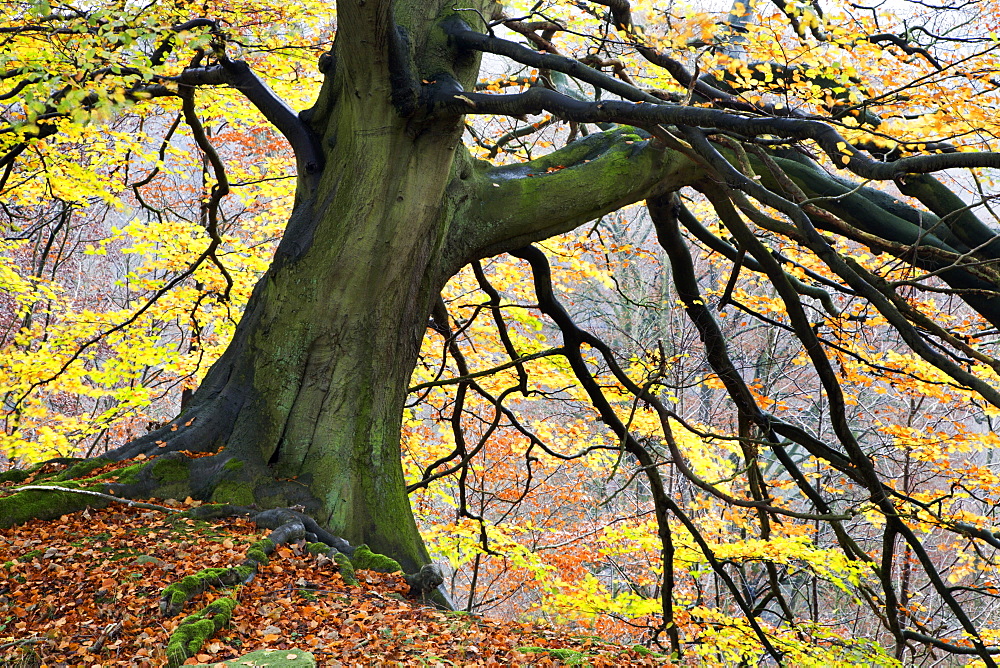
<point>339,327</point>
<point>308,398</point>
<point>313,385</point>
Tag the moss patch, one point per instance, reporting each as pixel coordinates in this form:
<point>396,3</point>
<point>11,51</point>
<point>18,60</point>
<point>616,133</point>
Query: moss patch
<point>569,657</point>
<point>364,559</point>
<point>176,595</point>
<point>127,474</point>
<point>346,569</point>
<point>14,475</point>
<point>233,465</point>
<point>316,549</point>
<point>171,470</point>
<point>195,629</point>
<point>260,550</point>
<point>43,505</point>
<point>271,658</point>
<point>232,492</point>
<point>82,468</point>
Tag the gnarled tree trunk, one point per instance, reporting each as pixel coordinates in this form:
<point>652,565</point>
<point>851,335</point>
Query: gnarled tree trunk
<point>312,388</point>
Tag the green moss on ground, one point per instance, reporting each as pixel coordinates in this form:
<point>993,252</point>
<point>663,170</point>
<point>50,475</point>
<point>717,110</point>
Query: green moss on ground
<point>195,629</point>
<point>569,657</point>
<point>260,550</point>
<point>366,560</point>
<point>270,658</point>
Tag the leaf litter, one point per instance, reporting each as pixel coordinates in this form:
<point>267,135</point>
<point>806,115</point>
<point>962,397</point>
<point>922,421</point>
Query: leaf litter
<point>84,590</point>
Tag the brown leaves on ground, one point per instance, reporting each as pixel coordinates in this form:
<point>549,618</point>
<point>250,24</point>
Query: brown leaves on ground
<point>83,590</point>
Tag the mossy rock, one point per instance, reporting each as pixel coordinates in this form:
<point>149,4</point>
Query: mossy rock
<point>366,560</point>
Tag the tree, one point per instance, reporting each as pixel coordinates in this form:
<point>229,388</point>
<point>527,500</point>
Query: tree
<point>306,401</point>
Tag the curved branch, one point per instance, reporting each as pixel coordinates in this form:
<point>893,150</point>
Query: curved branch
<point>305,144</point>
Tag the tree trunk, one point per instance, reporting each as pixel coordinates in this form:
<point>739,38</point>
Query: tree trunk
<point>311,390</point>
<point>314,382</point>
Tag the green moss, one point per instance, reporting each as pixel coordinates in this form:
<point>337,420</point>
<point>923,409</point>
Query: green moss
<point>28,556</point>
<point>42,475</point>
<point>270,658</point>
<point>14,475</point>
<point>195,629</point>
<point>258,557</point>
<point>364,559</point>
<point>33,504</point>
<point>171,470</point>
<point>346,569</point>
<point>178,593</point>
<point>317,548</point>
<point>82,468</point>
<point>233,465</point>
<point>258,551</point>
<point>644,651</point>
<point>232,492</point>
<point>569,657</point>
<point>128,474</point>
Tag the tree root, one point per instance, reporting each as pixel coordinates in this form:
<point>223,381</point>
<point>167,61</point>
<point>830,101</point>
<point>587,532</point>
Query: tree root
<point>56,488</point>
<point>195,629</point>
<point>107,497</point>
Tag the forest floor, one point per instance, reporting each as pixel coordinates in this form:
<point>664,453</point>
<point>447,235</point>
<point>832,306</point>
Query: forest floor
<point>84,590</point>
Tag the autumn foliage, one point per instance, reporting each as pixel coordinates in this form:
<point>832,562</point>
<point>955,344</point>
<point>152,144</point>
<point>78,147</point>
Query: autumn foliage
<point>818,401</point>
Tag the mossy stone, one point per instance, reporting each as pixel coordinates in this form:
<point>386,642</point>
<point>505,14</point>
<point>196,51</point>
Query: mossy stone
<point>271,658</point>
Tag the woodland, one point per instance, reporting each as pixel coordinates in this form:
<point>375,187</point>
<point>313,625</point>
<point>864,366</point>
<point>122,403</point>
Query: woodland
<point>670,323</point>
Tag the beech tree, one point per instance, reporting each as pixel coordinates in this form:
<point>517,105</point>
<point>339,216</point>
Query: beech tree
<point>800,154</point>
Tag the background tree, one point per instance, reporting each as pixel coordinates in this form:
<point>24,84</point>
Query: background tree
<point>767,118</point>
